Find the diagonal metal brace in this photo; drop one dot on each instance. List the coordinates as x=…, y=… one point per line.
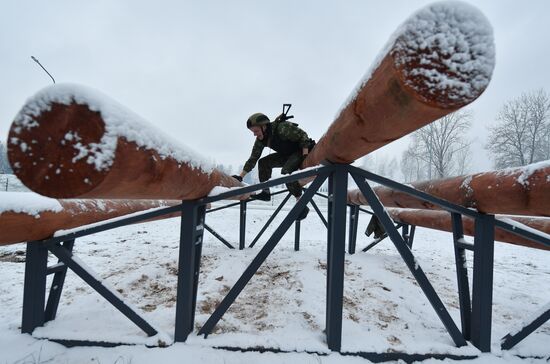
x=88, y=276
x=410, y=260
x=262, y=256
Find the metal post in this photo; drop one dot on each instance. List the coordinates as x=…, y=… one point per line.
x=462, y=276
x=405, y=233
x=297, y=235
x=482, y=291
x=335, y=258
x=192, y=228
x=57, y=287
x=34, y=292
x=411, y=236
x=242, y=225
x=353, y=223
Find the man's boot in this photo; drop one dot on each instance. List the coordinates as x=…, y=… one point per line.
x=375, y=227
x=265, y=195
x=303, y=214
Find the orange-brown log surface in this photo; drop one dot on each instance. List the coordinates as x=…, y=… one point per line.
x=20, y=226
x=441, y=220
x=516, y=191
x=417, y=81
x=72, y=142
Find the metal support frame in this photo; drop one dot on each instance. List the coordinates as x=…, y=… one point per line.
x=270, y=220
x=191, y=235
x=218, y=236
x=353, y=224
x=261, y=256
x=297, y=228
x=482, y=286
x=462, y=276
x=511, y=339
x=476, y=320
x=336, y=246
x=242, y=225
x=57, y=285
x=410, y=260
x=34, y=294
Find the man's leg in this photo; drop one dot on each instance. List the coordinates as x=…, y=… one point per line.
x=265, y=167
x=292, y=164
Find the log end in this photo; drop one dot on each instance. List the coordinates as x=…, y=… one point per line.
x=445, y=54
x=52, y=146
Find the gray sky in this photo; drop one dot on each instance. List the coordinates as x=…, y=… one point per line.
x=197, y=70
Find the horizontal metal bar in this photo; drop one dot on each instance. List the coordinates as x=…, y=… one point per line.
x=55, y=268
x=112, y=225
x=271, y=183
x=444, y=204
x=463, y=245
x=223, y=207
x=524, y=233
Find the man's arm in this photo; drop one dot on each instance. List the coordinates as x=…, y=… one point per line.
x=256, y=153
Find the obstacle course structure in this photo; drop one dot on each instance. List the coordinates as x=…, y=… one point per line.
x=71, y=142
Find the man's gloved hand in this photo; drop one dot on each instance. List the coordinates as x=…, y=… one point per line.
x=237, y=177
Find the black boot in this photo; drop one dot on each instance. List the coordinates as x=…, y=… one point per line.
x=265, y=195
x=303, y=214
x=375, y=227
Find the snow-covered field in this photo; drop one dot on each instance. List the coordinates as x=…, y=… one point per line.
x=283, y=307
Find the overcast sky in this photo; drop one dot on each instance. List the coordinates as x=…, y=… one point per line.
x=197, y=70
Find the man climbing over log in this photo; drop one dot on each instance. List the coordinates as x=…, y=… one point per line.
x=291, y=145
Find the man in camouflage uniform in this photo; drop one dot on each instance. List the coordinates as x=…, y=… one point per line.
x=291, y=145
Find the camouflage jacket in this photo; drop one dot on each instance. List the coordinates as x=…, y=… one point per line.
x=283, y=137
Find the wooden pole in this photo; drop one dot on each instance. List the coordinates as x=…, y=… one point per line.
x=515, y=191
x=20, y=226
x=441, y=220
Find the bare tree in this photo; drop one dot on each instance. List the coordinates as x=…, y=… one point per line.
x=522, y=133
x=439, y=149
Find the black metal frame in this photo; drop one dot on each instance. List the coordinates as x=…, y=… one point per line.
x=475, y=312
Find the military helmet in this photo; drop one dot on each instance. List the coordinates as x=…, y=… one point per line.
x=257, y=119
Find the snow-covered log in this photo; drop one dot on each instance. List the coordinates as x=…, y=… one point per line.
x=441, y=220
x=515, y=191
x=439, y=60
x=27, y=216
x=69, y=141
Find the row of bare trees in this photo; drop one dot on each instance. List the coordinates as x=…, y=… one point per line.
x=522, y=133
x=520, y=136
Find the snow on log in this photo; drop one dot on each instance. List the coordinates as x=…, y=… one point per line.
x=439, y=60
x=515, y=191
x=441, y=220
x=27, y=216
x=69, y=141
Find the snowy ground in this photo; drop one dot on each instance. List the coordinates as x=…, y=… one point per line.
x=282, y=308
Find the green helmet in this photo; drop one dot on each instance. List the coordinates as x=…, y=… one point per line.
x=257, y=119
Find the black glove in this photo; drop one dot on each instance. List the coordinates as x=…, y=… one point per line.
x=237, y=177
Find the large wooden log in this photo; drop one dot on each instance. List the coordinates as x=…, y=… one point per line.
x=34, y=217
x=441, y=220
x=515, y=191
x=439, y=60
x=69, y=141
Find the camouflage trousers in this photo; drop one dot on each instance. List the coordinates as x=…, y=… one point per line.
x=287, y=163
